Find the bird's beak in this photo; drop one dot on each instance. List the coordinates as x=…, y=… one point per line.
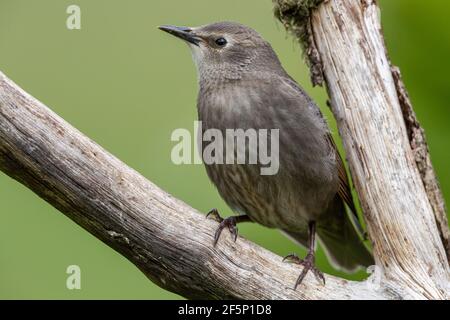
x=184, y=33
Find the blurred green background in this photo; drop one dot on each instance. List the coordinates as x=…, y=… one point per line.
x=127, y=85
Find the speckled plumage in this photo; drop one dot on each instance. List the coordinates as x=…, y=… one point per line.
x=243, y=86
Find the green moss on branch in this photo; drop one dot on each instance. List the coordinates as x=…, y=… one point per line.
x=295, y=17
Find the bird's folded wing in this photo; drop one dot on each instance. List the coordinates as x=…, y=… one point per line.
x=344, y=190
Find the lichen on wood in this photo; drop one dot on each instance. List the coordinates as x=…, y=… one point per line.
x=295, y=17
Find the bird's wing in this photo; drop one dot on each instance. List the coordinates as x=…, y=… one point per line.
x=344, y=185
x=344, y=190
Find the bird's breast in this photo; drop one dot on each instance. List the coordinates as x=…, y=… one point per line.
x=306, y=180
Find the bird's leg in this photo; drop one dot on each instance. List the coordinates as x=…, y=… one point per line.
x=230, y=223
x=308, y=262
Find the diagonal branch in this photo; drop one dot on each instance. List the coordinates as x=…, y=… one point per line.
x=170, y=242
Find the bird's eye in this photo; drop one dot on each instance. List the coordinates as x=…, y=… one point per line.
x=221, y=42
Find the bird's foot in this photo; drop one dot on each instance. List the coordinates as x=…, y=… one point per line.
x=308, y=264
x=230, y=223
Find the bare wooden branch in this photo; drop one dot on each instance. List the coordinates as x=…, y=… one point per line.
x=386, y=148
x=170, y=242
x=421, y=153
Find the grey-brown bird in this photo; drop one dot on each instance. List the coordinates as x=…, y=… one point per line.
x=242, y=85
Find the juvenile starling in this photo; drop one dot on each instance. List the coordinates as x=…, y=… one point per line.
x=243, y=86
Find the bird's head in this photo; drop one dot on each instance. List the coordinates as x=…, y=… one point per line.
x=226, y=48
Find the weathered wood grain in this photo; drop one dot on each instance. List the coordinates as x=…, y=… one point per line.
x=170, y=242
x=386, y=148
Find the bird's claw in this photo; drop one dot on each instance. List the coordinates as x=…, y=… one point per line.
x=229, y=223
x=308, y=265
x=293, y=258
x=215, y=215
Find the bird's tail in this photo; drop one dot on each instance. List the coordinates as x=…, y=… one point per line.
x=339, y=238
